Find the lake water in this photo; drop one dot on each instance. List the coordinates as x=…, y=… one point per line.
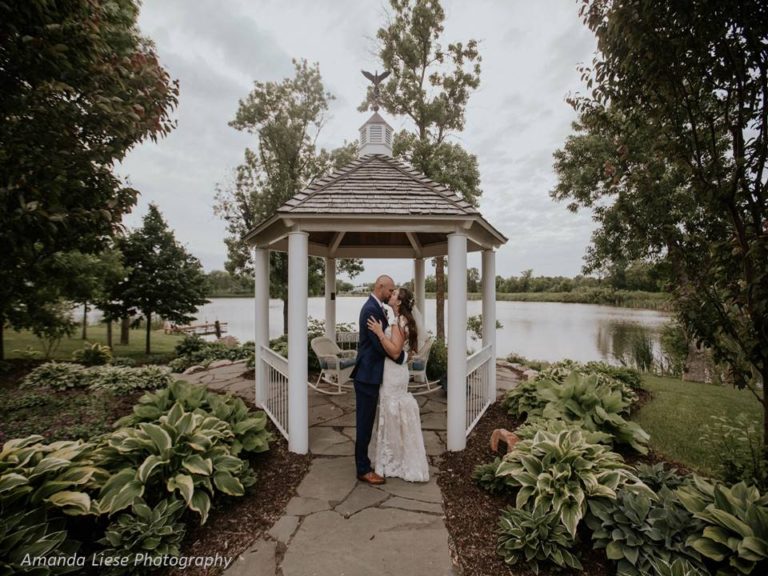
x=537, y=330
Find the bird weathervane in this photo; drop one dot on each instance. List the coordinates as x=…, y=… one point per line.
x=376, y=79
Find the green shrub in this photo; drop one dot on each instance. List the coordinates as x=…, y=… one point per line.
x=193, y=350
x=639, y=532
x=93, y=355
x=249, y=428
x=735, y=536
x=534, y=537
x=56, y=375
x=123, y=361
x=437, y=364
x=25, y=401
x=184, y=451
x=562, y=472
x=736, y=450
x=152, y=532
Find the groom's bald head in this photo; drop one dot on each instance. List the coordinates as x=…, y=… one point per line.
x=384, y=287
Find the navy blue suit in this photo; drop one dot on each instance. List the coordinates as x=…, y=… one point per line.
x=368, y=374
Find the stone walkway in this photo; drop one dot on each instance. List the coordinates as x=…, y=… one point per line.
x=337, y=526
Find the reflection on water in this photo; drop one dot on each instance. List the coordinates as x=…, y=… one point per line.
x=537, y=330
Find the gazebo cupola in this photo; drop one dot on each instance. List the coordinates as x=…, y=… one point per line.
x=375, y=137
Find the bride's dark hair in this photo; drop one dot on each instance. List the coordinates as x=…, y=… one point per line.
x=406, y=309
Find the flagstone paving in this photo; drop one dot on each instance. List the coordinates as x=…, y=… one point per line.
x=336, y=525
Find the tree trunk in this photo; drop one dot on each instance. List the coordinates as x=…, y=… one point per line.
x=125, y=330
x=440, y=297
x=85, y=320
x=109, y=333
x=149, y=331
x=765, y=416
x=285, y=315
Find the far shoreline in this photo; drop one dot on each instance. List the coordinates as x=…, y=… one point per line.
x=619, y=298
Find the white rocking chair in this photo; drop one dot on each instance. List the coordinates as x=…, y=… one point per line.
x=417, y=367
x=335, y=366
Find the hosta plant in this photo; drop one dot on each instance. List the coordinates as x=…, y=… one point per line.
x=153, y=532
x=249, y=428
x=93, y=355
x=121, y=379
x=621, y=380
x=59, y=475
x=56, y=375
x=658, y=476
x=735, y=535
x=30, y=533
x=525, y=399
x=582, y=400
x=536, y=423
x=485, y=476
x=184, y=452
x=638, y=532
x=39, y=485
x=679, y=567
x=534, y=538
x=561, y=472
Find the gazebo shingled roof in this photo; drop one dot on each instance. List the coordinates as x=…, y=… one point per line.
x=380, y=188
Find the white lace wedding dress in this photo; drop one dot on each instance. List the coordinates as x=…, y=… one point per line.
x=400, y=449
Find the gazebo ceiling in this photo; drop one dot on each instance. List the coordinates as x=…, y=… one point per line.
x=374, y=207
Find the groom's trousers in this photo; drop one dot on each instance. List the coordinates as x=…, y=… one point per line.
x=366, y=401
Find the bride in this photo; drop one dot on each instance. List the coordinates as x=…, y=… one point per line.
x=399, y=443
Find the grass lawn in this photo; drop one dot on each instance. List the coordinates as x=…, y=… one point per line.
x=16, y=342
x=679, y=411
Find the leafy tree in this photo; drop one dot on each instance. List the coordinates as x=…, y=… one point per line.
x=431, y=86
x=286, y=117
x=473, y=280
x=85, y=278
x=164, y=278
x=79, y=87
x=669, y=151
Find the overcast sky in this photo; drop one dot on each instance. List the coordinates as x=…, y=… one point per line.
x=514, y=121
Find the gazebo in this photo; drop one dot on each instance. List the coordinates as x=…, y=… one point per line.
x=375, y=207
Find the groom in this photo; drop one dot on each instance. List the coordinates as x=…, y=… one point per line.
x=368, y=373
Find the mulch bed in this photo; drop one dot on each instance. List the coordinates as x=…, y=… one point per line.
x=472, y=514
x=236, y=523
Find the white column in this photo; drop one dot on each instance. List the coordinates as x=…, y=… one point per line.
x=330, y=298
x=261, y=332
x=418, y=286
x=298, y=410
x=489, y=315
x=457, y=341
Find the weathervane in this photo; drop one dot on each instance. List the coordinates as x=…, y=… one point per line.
x=376, y=79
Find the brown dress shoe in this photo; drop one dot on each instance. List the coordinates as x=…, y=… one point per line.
x=371, y=478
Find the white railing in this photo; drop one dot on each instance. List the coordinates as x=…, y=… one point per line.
x=478, y=390
x=276, y=405
x=347, y=340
